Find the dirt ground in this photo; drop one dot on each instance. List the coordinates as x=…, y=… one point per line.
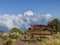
x=18, y=42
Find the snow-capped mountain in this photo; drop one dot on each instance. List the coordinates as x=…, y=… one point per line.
x=22, y=21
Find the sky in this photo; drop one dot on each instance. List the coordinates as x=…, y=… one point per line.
x=39, y=7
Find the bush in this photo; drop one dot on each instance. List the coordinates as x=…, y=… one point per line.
x=9, y=42
x=5, y=37
x=16, y=36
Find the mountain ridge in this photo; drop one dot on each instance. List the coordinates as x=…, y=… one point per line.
x=23, y=21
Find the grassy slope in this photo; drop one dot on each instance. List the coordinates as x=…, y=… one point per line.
x=49, y=40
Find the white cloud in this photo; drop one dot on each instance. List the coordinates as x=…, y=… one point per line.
x=48, y=15
x=20, y=15
x=29, y=13
x=20, y=20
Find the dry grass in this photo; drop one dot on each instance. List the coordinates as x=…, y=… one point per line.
x=49, y=40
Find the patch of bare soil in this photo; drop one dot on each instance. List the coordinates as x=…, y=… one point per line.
x=19, y=42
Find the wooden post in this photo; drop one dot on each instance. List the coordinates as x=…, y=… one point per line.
x=51, y=32
x=31, y=36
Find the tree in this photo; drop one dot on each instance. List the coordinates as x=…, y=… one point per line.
x=16, y=33
x=55, y=24
x=15, y=30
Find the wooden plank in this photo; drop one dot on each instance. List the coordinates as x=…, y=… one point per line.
x=40, y=33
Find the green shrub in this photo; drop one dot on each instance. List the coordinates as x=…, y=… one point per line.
x=16, y=36
x=9, y=42
x=5, y=37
